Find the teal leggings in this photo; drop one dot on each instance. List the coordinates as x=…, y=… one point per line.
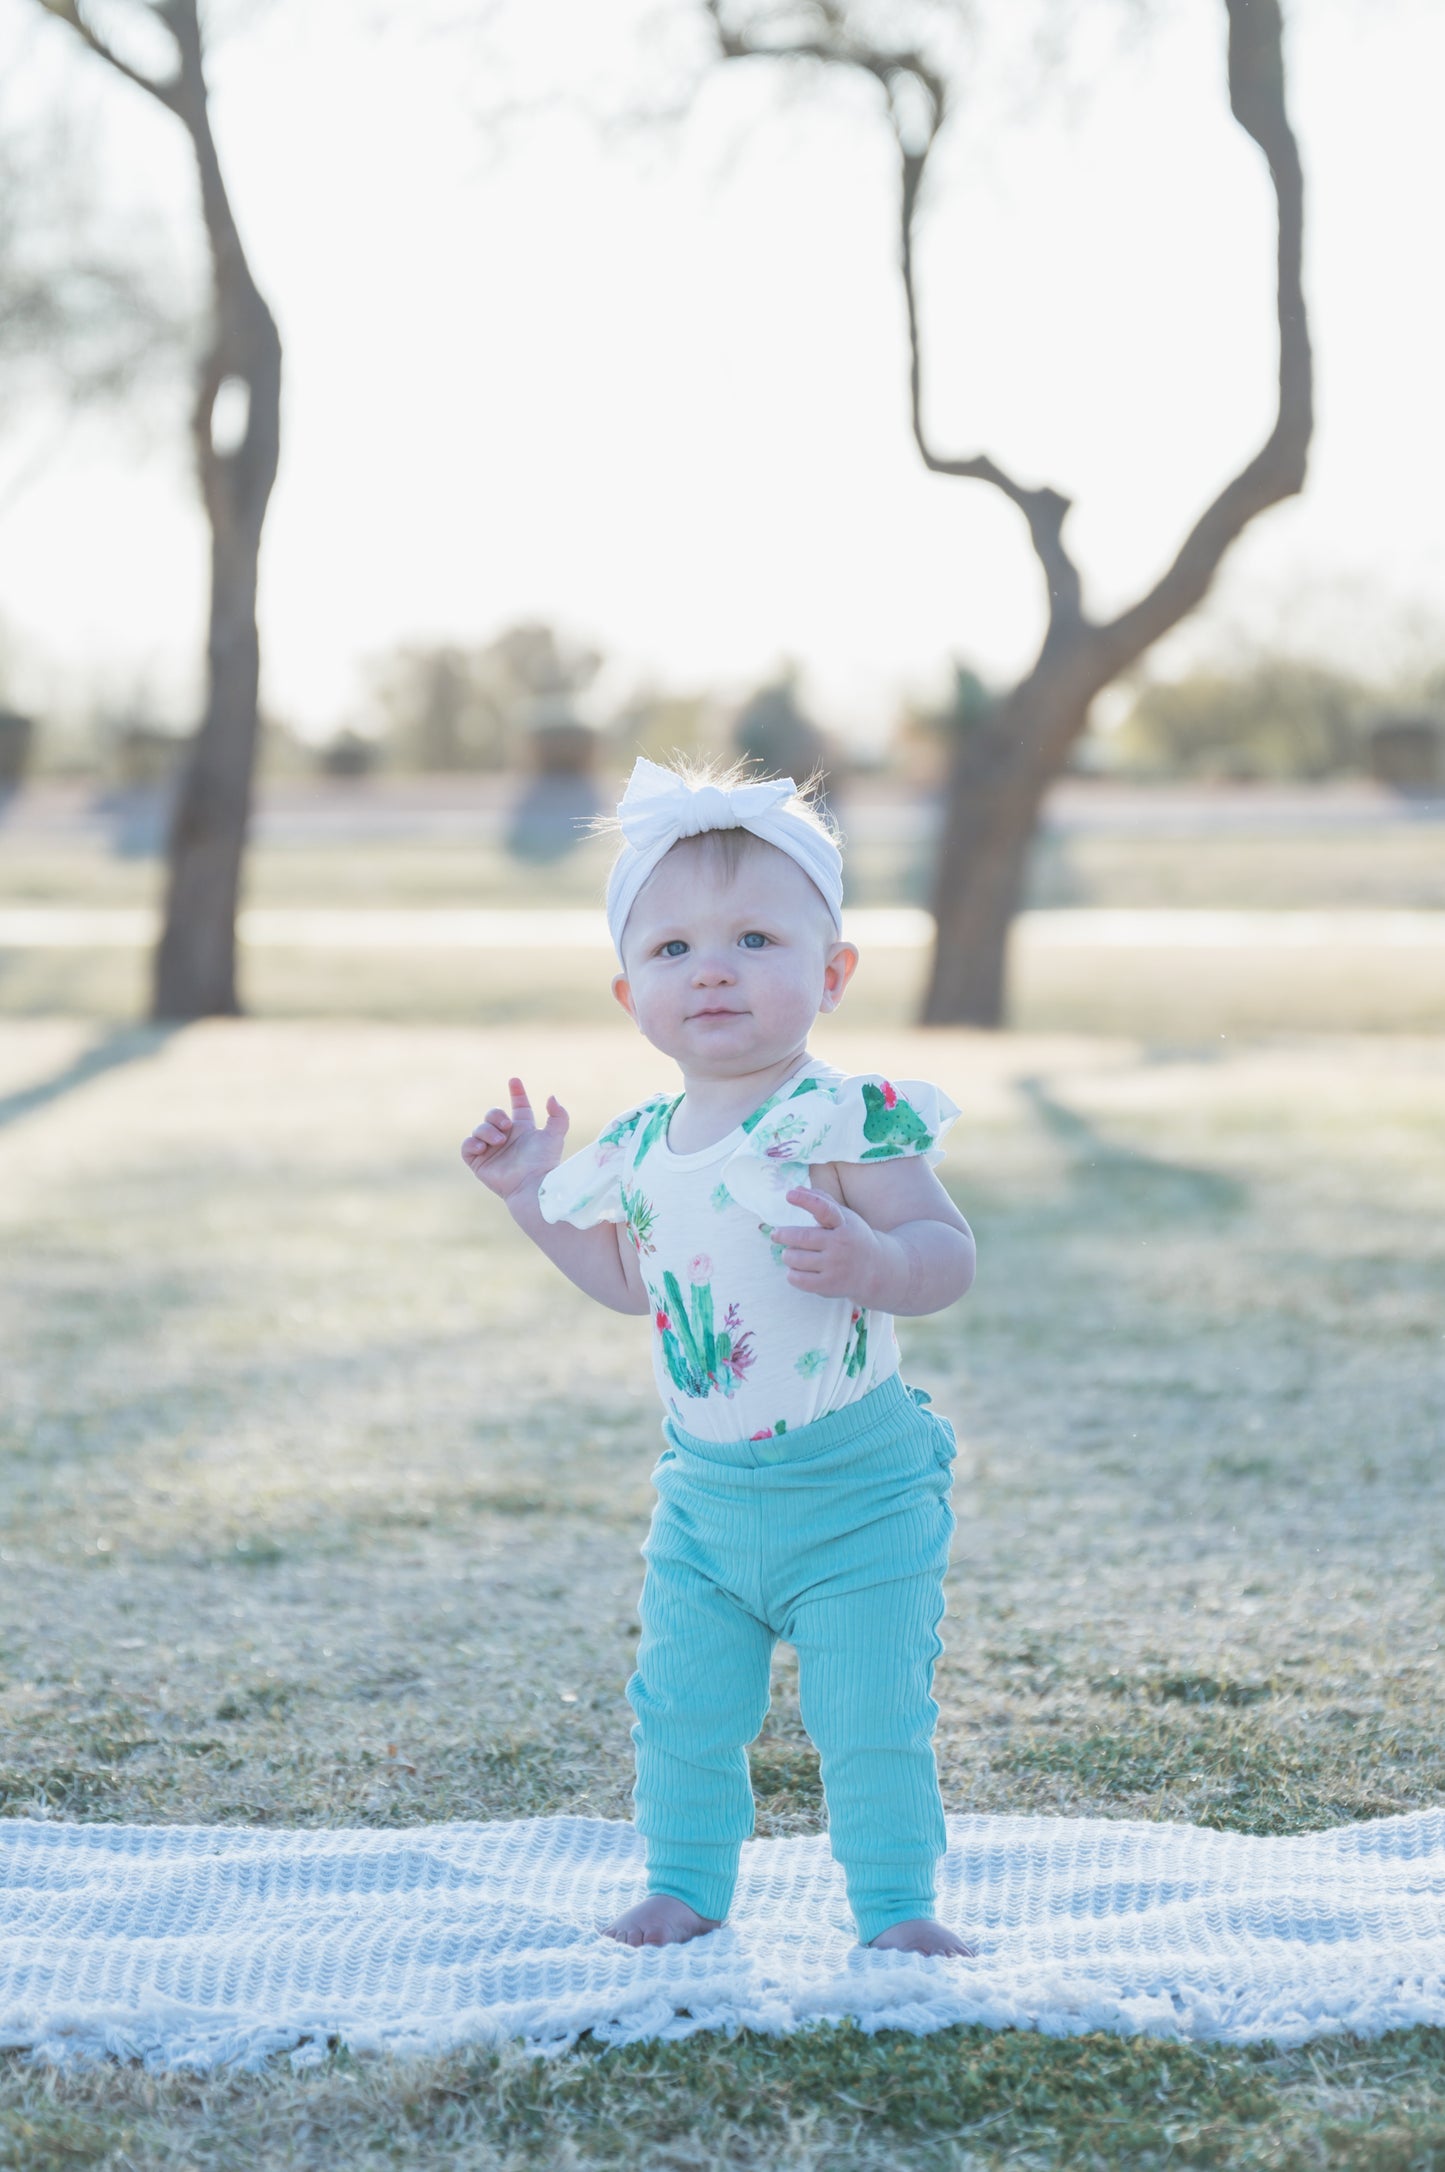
x=834, y=1538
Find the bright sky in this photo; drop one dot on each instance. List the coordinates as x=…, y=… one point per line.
x=657, y=394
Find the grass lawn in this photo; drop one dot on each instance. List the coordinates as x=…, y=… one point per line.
x=1155, y=994
x=1160, y=994
x=321, y=1495
x=1369, y=863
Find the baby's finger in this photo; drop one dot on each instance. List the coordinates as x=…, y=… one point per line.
x=521, y=1106
x=804, y=1236
x=823, y=1208
x=493, y=1126
x=803, y=1263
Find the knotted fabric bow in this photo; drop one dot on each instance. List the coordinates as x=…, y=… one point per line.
x=659, y=807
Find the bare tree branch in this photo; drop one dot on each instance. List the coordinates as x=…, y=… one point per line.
x=81, y=323
x=1256, y=93
x=1277, y=471
x=837, y=46
x=68, y=11
x=895, y=68
x=1044, y=509
x=1003, y=764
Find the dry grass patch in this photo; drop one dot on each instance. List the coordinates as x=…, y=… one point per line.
x=1157, y=994
x=1160, y=995
x=320, y=1500
x=826, y=2098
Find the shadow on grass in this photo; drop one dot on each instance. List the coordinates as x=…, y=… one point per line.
x=1125, y=1174
x=128, y=1044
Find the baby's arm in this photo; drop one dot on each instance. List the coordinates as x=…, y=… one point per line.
x=884, y=1233
x=510, y=1155
x=596, y=1259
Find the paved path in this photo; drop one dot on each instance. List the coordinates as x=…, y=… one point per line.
x=63, y=927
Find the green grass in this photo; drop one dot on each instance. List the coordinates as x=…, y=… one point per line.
x=820, y=2099
x=320, y=1500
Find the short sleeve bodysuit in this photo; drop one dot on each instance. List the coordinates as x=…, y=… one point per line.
x=738, y=1352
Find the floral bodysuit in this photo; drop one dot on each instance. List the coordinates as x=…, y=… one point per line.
x=738, y=1352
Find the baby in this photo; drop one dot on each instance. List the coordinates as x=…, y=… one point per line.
x=771, y=1218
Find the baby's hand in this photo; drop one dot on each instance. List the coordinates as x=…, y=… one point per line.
x=508, y=1152
x=836, y=1255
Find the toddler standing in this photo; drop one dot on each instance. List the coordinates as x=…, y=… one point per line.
x=771, y=1218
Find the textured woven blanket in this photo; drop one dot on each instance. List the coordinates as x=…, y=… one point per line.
x=210, y=1945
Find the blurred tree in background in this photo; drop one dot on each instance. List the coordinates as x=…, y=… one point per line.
x=925, y=733
x=1003, y=763
x=159, y=46
x=659, y=724
x=1284, y=720
x=443, y=706
x=772, y=730
x=88, y=316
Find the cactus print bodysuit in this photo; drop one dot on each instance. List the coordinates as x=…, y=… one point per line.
x=738, y=1352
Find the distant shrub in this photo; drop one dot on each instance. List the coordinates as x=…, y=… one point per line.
x=660, y=724
x=1283, y=720
x=924, y=733
x=444, y=707
x=349, y=754
x=1408, y=753
x=772, y=731
x=17, y=740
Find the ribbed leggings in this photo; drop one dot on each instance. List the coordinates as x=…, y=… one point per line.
x=835, y=1538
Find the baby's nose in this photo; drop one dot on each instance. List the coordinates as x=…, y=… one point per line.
x=709, y=970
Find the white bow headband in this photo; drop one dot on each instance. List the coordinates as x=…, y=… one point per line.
x=659, y=807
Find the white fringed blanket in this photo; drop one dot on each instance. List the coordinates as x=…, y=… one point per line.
x=210, y=1945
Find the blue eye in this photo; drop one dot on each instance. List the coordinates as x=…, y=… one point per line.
x=754, y=940
x=674, y=948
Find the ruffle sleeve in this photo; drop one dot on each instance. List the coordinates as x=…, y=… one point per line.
x=863, y=1118
x=587, y=1187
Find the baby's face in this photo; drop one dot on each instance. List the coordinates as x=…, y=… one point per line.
x=726, y=974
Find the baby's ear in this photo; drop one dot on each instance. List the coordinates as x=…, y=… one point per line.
x=622, y=989
x=842, y=963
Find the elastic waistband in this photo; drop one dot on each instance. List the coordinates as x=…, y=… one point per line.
x=881, y=1410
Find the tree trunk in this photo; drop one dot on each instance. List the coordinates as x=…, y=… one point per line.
x=1000, y=771
x=195, y=967
x=195, y=964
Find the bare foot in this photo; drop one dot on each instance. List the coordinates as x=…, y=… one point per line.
x=920, y=1934
x=662, y=1921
